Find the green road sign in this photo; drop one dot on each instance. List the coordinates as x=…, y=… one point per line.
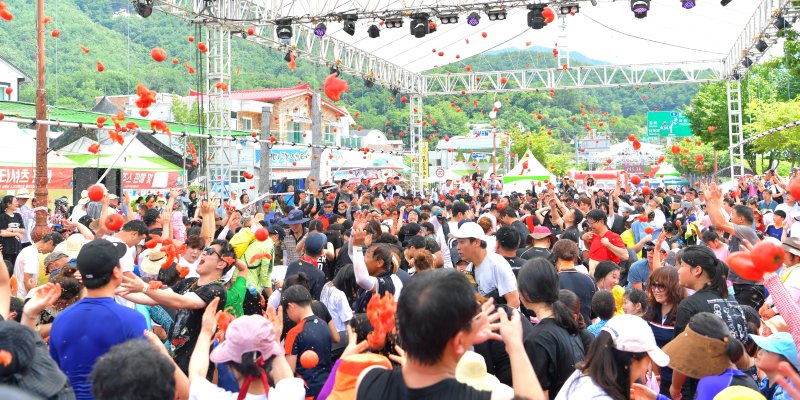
x=668, y=123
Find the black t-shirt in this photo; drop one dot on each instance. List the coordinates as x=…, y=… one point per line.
x=183, y=335
x=708, y=301
x=583, y=286
x=495, y=354
x=317, y=307
x=516, y=263
x=389, y=385
x=315, y=276
x=556, y=353
x=11, y=245
x=533, y=252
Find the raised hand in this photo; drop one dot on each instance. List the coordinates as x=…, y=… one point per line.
x=209, y=324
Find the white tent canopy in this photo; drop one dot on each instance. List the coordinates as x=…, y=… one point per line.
x=527, y=170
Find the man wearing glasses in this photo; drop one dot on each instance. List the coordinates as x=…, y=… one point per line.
x=639, y=272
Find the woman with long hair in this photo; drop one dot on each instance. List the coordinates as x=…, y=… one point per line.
x=618, y=357
x=555, y=339
x=12, y=230
x=664, y=294
x=700, y=270
x=374, y=269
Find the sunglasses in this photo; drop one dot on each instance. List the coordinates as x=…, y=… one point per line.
x=211, y=251
x=658, y=286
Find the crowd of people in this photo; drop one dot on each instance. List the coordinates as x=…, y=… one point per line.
x=565, y=291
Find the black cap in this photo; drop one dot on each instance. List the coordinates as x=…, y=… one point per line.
x=98, y=258
x=275, y=230
x=297, y=294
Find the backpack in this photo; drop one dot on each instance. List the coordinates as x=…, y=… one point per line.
x=241, y=240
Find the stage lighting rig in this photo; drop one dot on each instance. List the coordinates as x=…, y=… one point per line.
x=320, y=29
x=143, y=7
x=449, y=19
x=688, y=4
x=535, y=17
x=640, y=8
x=373, y=31
x=762, y=45
x=393, y=22
x=473, y=19
x=570, y=9
x=420, y=25
x=496, y=15
x=349, y=24
x=283, y=28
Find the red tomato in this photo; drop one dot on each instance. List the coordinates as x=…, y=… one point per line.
x=794, y=188
x=309, y=359
x=96, y=192
x=649, y=230
x=742, y=264
x=646, y=191
x=261, y=234
x=114, y=222
x=636, y=180
x=642, y=217
x=767, y=256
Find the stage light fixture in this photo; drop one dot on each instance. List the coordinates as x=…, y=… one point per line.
x=369, y=82
x=395, y=91
x=736, y=75
x=781, y=23
x=640, y=8
x=535, y=17
x=288, y=56
x=320, y=29
x=393, y=22
x=144, y=8
x=373, y=31
x=496, y=15
x=762, y=45
x=570, y=9
x=725, y=2
x=449, y=19
x=283, y=28
x=473, y=19
x=688, y=4
x=747, y=62
x=349, y=24
x=420, y=25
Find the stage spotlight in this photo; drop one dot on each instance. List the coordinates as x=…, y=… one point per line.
x=736, y=75
x=535, y=17
x=570, y=9
x=747, y=62
x=144, y=8
x=369, y=82
x=393, y=22
x=420, y=25
x=288, y=56
x=496, y=15
x=687, y=4
x=335, y=70
x=640, y=8
x=283, y=28
x=725, y=2
x=449, y=19
x=395, y=91
x=473, y=19
x=373, y=31
x=762, y=45
x=781, y=23
x=320, y=29
x=349, y=24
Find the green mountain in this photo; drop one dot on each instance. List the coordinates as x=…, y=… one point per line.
x=121, y=40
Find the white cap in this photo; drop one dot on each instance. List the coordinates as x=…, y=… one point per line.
x=632, y=334
x=468, y=230
x=632, y=217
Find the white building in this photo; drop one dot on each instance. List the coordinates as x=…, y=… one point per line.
x=11, y=77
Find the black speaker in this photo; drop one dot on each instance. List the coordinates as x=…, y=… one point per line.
x=82, y=178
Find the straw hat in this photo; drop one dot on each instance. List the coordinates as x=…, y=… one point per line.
x=471, y=370
x=152, y=263
x=72, y=246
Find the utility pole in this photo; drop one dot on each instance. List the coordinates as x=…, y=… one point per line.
x=40, y=176
x=316, y=136
x=265, y=167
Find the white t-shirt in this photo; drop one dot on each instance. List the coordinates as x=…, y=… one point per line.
x=494, y=273
x=127, y=261
x=192, y=267
x=286, y=389
x=27, y=263
x=338, y=306
x=580, y=386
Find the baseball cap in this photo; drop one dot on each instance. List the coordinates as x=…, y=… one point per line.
x=246, y=334
x=632, y=217
x=737, y=392
x=274, y=230
x=779, y=343
x=632, y=334
x=98, y=258
x=468, y=230
x=315, y=242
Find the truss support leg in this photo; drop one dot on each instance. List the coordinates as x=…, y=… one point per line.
x=419, y=154
x=735, y=135
x=563, y=47
x=218, y=67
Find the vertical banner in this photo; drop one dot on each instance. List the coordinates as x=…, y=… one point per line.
x=423, y=151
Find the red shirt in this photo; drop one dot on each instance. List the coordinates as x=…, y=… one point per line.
x=598, y=252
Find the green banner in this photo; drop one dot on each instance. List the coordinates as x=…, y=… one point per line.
x=668, y=123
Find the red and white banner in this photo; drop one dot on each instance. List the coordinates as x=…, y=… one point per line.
x=13, y=178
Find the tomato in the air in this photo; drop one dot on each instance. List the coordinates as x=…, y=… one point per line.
x=767, y=256
x=742, y=265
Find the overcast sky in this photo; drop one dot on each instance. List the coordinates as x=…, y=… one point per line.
x=705, y=32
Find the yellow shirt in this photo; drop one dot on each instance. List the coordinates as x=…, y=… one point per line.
x=618, y=291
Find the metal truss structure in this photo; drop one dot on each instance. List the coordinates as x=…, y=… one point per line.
x=582, y=77
x=218, y=65
x=235, y=17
